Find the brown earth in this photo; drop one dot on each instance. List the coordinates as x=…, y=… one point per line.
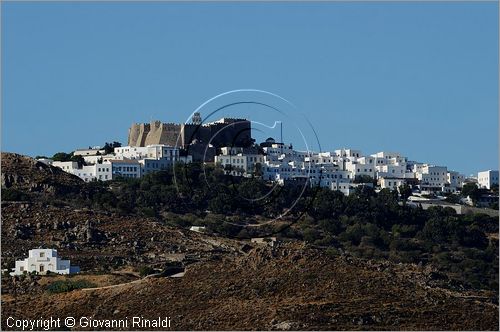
x=287, y=288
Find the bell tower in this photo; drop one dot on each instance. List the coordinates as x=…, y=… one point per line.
x=196, y=118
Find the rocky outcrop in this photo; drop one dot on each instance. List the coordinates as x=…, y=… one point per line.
x=27, y=174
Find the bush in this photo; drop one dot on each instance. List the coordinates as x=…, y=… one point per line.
x=146, y=270
x=11, y=194
x=331, y=226
x=62, y=286
x=62, y=156
x=311, y=235
x=332, y=252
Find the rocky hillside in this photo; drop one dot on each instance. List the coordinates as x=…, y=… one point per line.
x=100, y=241
x=288, y=288
x=25, y=173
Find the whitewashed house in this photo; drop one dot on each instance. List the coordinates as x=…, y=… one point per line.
x=487, y=178
x=67, y=166
x=46, y=161
x=235, y=161
x=455, y=179
x=432, y=178
x=127, y=168
x=391, y=183
x=42, y=261
x=154, y=151
x=96, y=150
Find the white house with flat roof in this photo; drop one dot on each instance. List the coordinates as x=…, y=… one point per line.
x=67, y=166
x=455, y=179
x=87, y=173
x=432, y=178
x=154, y=151
x=96, y=150
x=126, y=168
x=42, y=261
x=235, y=162
x=486, y=179
x=392, y=183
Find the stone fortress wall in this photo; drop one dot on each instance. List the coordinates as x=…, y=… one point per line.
x=225, y=132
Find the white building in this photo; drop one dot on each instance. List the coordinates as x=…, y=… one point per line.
x=43, y=261
x=486, y=179
x=46, y=161
x=390, y=183
x=455, y=179
x=154, y=165
x=127, y=161
x=97, y=159
x=155, y=151
x=361, y=166
x=344, y=186
x=126, y=168
x=96, y=150
x=88, y=172
x=235, y=162
x=432, y=178
x=95, y=172
x=198, y=229
x=67, y=166
x=348, y=153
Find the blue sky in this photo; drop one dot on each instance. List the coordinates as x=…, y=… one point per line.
x=419, y=78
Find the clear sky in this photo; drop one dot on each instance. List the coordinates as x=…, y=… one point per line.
x=419, y=78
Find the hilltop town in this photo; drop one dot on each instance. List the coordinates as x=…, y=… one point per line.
x=228, y=144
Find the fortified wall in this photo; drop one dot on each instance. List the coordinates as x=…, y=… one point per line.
x=224, y=132
x=156, y=132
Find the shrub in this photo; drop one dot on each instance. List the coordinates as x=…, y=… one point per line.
x=62, y=286
x=332, y=252
x=331, y=226
x=146, y=270
x=11, y=194
x=311, y=235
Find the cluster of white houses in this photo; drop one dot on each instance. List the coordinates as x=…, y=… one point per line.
x=341, y=170
x=345, y=169
x=128, y=161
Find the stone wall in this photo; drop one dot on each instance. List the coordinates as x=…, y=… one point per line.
x=233, y=132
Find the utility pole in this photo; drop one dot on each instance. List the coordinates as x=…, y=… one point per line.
x=281, y=133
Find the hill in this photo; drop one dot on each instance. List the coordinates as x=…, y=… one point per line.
x=24, y=173
x=291, y=287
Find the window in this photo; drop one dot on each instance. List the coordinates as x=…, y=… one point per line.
x=42, y=255
x=21, y=268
